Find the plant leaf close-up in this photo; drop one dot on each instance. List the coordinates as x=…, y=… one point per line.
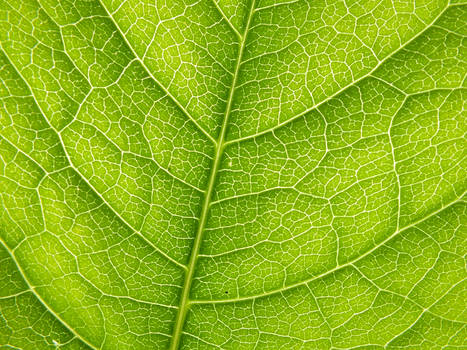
x=233, y=174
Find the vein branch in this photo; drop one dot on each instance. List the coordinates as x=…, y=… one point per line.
x=235, y=30
x=39, y=298
x=166, y=91
x=337, y=267
x=76, y=170
x=368, y=74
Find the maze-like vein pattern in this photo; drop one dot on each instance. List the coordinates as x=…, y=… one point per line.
x=337, y=215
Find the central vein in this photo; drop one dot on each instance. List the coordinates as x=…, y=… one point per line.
x=185, y=300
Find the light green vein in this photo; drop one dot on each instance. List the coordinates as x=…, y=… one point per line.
x=338, y=267
x=167, y=92
x=31, y=288
x=237, y=33
x=72, y=166
x=341, y=90
x=184, y=300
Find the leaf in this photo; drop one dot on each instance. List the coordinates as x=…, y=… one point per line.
x=233, y=174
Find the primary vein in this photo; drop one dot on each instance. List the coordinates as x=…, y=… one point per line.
x=184, y=300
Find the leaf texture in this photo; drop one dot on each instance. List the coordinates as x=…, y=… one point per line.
x=233, y=174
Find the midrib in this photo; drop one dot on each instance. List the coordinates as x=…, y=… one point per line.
x=220, y=144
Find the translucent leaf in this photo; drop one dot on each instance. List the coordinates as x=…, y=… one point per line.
x=220, y=174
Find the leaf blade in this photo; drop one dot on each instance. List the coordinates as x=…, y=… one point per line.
x=331, y=185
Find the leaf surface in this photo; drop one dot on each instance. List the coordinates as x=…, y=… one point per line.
x=220, y=174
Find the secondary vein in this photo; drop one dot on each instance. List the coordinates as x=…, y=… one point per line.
x=185, y=300
x=148, y=71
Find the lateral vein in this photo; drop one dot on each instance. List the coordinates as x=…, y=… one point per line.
x=337, y=267
x=166, y=91
x=75, y=169
x=370, y=73
x=42, y=301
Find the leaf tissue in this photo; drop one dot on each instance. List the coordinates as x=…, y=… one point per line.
x=233, y=174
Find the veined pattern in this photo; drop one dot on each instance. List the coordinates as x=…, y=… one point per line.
x=219, y=174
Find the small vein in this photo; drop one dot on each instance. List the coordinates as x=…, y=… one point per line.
x=396, y=173
x=24, y=154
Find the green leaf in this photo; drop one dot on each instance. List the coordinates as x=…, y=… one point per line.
x=220, y=174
